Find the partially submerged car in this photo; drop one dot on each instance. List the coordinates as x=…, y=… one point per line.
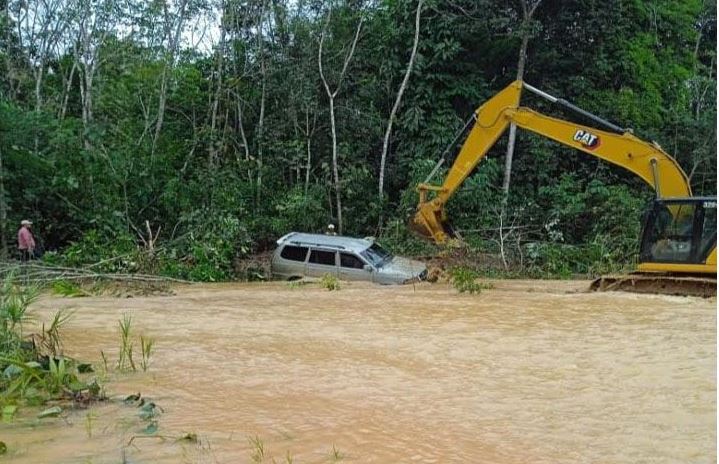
x=301, y=255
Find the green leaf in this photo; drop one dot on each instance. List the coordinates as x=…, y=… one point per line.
x=8, y=412
x=50, y=412
x=77, y=386
x=11, y=371
x=84, y=368
x=132, y=398
x=148, y=411
x=151, y=428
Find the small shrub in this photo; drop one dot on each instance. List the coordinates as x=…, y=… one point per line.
x=465, y=280
x=49, y=341
x=330, y=282
x=147, y=346
x=125, y=361
x=336, y=455
x=67, y=288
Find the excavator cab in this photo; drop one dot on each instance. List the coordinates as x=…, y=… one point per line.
x=679, y=232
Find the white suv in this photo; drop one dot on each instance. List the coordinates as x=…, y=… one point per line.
x=311, y=255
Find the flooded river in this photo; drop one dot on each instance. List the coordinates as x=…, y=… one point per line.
x=527, y=372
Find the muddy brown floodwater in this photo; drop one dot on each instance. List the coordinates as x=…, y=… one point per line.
x=527, y=372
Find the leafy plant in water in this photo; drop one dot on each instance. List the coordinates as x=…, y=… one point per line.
x=14, y=301
x=8, y=412
x=36, y=371
x=49, y=340
x=104, y=364
x=258, y=449
x=90, y=418
x=58, y=375
x=50, y=412
x=125, y=361
x=146, y=345
x=336, y=455
x=465, y=280
x=67, y=288
x=330, y=282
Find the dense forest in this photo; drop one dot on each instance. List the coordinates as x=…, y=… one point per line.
x=177, y=136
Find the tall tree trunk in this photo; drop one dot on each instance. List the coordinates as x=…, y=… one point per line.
x=308, y=166
x=335, y=166
x=3, y=211
x=331, y=96
x=212, y=151
x=166, y=70
x=38, y=104
x=66, y=90
x=261, y=122
x=398, y=100
x=260, y=138
x=243, y=135
x=528, y=9
x=86, y=97
x=38, y=86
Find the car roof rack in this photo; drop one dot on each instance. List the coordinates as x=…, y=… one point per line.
x=319, y=245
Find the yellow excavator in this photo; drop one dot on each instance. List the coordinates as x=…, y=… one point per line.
x=678, y=242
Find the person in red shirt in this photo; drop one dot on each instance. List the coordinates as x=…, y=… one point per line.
x=25, y=240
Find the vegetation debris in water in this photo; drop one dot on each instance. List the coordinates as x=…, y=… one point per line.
x=36, y=372
x=50, y=412
x=330, y=282
x=465, y=280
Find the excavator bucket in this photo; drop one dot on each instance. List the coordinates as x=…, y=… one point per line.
x=431, y=225
x=665, y=284
x=419, y=229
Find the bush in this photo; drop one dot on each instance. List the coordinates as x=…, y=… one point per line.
x=330, y=282
x=35, y=372
x=205, y=253
x=465, y=280
x=115, y=253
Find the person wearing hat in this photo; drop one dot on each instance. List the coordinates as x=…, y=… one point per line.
x=330, y=230
x=25, y=240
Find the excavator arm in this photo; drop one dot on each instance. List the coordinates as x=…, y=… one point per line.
x=615, y=145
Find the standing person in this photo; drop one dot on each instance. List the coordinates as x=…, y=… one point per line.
x=25, y=241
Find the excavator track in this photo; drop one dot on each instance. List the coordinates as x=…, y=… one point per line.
x=663, y=284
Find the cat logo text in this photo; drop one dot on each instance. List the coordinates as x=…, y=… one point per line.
x=587, y=139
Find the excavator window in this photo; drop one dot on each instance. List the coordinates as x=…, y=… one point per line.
x=679, y=231
x=709, y=231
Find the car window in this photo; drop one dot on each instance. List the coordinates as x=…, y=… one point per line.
x=294, y=253
x=377, y=255
x=348, y=260
x=322, y=257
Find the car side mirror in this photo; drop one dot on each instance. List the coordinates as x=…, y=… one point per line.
x=368, y=268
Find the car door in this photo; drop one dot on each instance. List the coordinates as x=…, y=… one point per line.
x=352, y=267
x=321, y=262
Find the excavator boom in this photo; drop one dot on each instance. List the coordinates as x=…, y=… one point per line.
x=611, y=143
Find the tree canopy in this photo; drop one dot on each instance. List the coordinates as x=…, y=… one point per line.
x=209, y=124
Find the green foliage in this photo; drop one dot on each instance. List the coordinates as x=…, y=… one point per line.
x=243, y=153
x=67, y=288
x=14, y=301
x=465, y=280
x=33, y=373
x=330, y=282
x=147, y=346
x=125, y=361
x=49, y=340
x=106, y=253
x=207, y=251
